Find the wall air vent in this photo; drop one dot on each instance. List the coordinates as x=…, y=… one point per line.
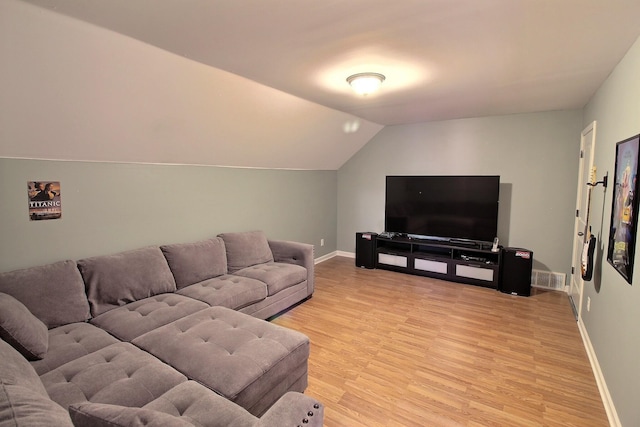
x=548, y=280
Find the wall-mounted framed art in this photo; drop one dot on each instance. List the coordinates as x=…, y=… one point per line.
x=44, y=200
x=624, y=209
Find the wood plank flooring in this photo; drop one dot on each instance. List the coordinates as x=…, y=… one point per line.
x=391, y=349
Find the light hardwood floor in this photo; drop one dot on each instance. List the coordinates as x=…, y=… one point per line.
x=391, y=349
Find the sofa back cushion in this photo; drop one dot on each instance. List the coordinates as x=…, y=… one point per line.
x=89, y=414
x=16, y=370
x=194, y=262
x=53, y=293
x=24, y=331
x=245, y=249
x=115, y=280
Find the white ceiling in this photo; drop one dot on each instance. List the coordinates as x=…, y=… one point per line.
x=443, y=59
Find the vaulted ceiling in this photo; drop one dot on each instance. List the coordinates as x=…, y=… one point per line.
x=262, y=83
x=442, y=58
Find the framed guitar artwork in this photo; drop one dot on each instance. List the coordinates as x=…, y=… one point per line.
x=624, y=209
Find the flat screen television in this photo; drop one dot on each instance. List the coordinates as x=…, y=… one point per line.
x=444, y=207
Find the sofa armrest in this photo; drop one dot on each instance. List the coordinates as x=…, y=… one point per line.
x=295, y=253
x=291, y=410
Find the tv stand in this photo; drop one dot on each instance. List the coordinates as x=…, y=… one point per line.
x=455, y=260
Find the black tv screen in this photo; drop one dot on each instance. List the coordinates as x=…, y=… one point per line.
x=449, y=207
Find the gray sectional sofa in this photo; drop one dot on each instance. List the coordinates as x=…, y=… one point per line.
x=160, y=336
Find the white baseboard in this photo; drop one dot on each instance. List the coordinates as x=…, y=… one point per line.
x=334, y=254
x=325, y=257
x=346, y=254
x=609, y=407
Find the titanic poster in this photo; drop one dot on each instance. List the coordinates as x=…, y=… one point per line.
x=44, y=200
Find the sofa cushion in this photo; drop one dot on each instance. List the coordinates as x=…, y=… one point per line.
x=229, y=291
x=201, y=406
x=115, y=280
x=70, y=342
x=53, y=293
x=136, y=318
x=245, y=249
x=21, y=329
x=194, y=262
x=23, y=398
x=191, y=404
x=120, y=374
x=276, y=275
x=295, y=253
x=104, y=415
x=20, y=406
x=271, y=306
x=16, y=370
x=234, y=354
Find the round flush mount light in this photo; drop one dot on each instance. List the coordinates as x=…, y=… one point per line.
x=365, y=83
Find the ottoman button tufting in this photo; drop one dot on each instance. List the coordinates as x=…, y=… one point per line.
x=310, y=413
x=305, y=421
x=315, y=405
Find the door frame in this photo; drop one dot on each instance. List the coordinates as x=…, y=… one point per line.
x=576, y=285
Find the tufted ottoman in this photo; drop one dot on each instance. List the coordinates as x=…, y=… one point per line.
x=247, y=360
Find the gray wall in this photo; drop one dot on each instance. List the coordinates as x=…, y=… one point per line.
x=613, y=322
x=536, y=156
x=110, y=207
x=74, y=91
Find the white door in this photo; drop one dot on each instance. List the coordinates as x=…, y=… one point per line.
x=587, y=145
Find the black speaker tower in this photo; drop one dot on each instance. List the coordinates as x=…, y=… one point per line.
x=366, y=250
x=515, y=272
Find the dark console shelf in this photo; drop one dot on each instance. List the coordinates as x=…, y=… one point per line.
x=458, y=261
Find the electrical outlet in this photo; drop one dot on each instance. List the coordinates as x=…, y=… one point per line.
x=321, y=242
x=588, y=304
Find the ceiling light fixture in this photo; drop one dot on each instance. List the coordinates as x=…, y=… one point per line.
x=365, y=83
